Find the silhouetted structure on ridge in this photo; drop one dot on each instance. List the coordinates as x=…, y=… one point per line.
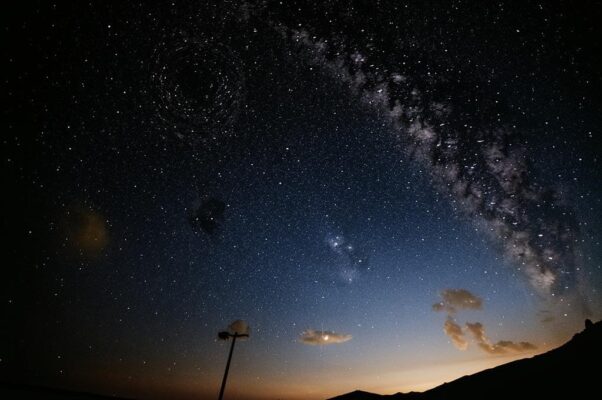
x=570, y=371
x=567, y=372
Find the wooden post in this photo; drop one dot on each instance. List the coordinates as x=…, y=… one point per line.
x=221, y=391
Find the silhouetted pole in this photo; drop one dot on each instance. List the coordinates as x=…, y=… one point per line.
x=239, y=329
x=221, y=391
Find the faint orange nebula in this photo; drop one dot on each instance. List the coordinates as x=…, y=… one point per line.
x=92, y=235
x=86, y=231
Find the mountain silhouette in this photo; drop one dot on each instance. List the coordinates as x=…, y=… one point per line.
x=571, y=371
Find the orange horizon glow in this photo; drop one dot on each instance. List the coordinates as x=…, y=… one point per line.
x=161, y=384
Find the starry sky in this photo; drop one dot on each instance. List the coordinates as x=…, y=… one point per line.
x=392, y=194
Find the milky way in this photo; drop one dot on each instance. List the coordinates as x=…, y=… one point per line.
x=484, y=168
x=371, y=186
x=480, y=162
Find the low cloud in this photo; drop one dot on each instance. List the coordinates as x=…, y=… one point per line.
x=239, y=327
x=321, y=338
x=455, y=333
x=502, y=347
x=453, y=300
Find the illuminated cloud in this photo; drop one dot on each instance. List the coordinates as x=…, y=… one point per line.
x=453, y=300
x=455, y=333
x=239, y=327
x=320, y=338
x=502, y=347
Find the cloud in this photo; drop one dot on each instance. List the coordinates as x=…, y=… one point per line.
x=502, y=347
x=239, y=327
x=455, y=333
x=320, y=338
x=453, y=300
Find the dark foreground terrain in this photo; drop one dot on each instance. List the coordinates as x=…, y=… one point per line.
x=22, y=392
x=571, y=371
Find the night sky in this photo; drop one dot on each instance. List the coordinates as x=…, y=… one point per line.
x=391, y=194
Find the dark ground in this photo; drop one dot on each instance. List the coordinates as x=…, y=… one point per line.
x=565, y=372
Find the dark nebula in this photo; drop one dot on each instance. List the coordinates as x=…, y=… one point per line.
x=208, y=216
x=320, y=170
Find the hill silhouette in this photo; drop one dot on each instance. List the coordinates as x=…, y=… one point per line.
x=569, y=371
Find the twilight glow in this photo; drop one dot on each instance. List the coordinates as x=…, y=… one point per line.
x=392, y=195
